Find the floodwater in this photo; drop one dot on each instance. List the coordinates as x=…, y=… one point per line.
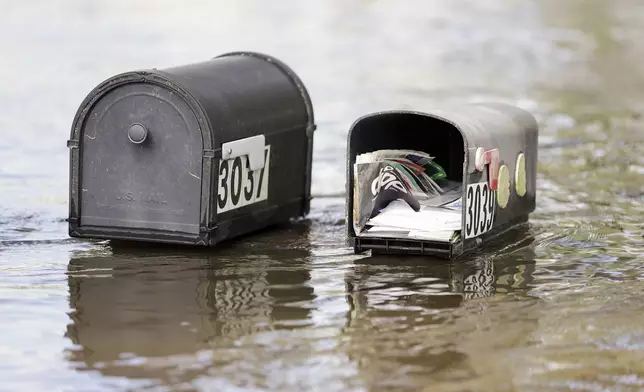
x=556, y=306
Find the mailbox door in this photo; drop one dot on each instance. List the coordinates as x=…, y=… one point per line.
x=141, y=161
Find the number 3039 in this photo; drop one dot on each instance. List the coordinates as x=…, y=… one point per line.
x=480, y=206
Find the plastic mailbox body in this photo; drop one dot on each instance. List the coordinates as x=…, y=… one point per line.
x=195, y=154
x=490, y=147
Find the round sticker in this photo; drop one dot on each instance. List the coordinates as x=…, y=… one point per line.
x=519, y=176
x=503, y=192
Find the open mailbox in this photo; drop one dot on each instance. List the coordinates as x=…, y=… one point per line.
x=194, y=154
x=482, y=159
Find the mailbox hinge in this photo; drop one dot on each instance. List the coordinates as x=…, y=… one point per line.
x=208, y=229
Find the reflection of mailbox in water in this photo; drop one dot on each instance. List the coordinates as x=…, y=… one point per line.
x=489, y=151
x=194, y=154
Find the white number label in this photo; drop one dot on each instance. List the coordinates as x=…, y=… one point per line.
x=238, y=185
x=480, y=207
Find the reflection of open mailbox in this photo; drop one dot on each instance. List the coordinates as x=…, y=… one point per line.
x=195, y=154
x=488, y=156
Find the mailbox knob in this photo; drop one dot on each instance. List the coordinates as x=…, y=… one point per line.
x=137, y=133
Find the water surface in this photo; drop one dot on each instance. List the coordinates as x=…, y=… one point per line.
x=556, y=306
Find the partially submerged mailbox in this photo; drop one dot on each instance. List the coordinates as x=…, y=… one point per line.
x=195, y=154
x=441, y=182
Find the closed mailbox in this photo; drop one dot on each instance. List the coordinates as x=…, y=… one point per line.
x=194, y=154
x=487, y=153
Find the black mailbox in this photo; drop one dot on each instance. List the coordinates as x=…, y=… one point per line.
x=489, y=149
x=194, y=154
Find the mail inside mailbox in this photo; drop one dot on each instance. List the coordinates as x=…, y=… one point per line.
x=412, y=188
x=442, y=182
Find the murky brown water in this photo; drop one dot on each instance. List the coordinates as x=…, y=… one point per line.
x=556, y=307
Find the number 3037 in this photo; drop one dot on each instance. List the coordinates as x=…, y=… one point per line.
x=238, y=185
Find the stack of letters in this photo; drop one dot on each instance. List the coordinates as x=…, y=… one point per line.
x=405, y=194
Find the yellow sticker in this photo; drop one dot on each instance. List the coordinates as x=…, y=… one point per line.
x=520, y=176
x=503, y=192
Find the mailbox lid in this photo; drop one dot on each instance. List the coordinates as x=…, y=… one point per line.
x=245, y=94
x=139, y=145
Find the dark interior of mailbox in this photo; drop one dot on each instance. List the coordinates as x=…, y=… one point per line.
x=411, y=131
